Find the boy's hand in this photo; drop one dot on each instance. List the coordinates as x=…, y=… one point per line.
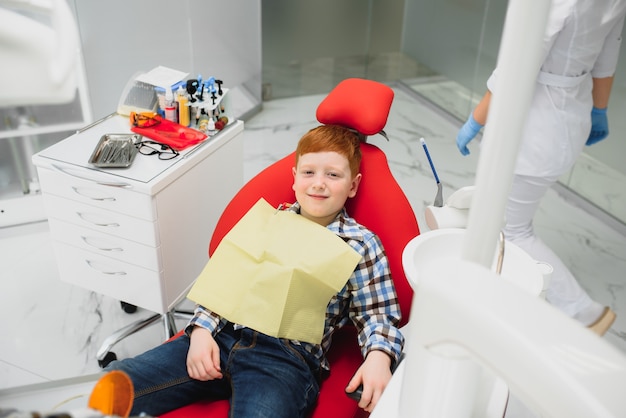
x=374, y=374
x=203, y=357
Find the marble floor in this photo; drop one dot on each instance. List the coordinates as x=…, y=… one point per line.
x=52, y=330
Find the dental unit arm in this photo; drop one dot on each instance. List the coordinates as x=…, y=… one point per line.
x=465, y=315
x=39, y=46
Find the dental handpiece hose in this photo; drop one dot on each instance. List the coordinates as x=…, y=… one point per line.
x=439, y=197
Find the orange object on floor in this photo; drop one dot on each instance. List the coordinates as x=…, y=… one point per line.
x=113, y=394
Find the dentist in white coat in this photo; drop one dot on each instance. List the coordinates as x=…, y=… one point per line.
x=581, y=49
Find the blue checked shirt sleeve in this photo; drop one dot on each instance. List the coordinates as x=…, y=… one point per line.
x=206, y=319
x=374, y=308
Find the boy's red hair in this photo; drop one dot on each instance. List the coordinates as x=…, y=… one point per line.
x=332, y=138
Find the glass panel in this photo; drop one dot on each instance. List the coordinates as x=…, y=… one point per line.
x=459, y=41
x=309, y=47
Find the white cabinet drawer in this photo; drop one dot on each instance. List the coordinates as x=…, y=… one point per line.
x=102, y=220
x=114, y=195
x=138, y=234
x=119, y=280
x=105, y=245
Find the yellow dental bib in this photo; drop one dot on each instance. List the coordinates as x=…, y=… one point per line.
x=275, y=272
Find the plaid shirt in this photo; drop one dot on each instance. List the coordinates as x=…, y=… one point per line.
x=368, y=299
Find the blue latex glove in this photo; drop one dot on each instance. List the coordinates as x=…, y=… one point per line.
x=467, y=132
x=599, y=126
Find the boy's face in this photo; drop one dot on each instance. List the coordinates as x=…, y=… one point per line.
x=323, y=182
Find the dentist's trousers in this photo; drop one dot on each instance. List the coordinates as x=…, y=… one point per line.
x=563, y=292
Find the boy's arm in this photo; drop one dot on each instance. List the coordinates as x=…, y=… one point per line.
x=203, y=357
x=376, y=313
x=374, y=308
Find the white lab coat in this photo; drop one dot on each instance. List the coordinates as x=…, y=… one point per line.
x=582, y=41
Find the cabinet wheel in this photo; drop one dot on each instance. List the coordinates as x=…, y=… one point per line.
x=128, y=308
x=109, y=357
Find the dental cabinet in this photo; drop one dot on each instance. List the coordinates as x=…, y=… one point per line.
x=138, y=234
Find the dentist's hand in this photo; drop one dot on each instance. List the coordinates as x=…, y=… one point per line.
x=599, y=126
x=467, y=132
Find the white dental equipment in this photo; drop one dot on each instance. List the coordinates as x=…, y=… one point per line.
x=467, y=323
x=454, y=213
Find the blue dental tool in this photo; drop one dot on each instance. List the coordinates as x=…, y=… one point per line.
x=439, y=197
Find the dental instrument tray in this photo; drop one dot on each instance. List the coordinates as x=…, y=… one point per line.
x=115, y=151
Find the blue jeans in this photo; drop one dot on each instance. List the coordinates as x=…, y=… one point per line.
x=263, y=377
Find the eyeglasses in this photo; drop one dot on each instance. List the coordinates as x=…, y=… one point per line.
x=144, y=119
x=164, y=151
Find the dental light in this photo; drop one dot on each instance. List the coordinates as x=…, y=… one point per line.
x=38, y=50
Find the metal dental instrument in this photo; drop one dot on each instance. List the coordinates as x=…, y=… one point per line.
x=439, y=197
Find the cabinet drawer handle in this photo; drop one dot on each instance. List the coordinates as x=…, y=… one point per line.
x=86, y=239
x=100, y=199
x=85, y=218
x=100, y=182
x=112, y=273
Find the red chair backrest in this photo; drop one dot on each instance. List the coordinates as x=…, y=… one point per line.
x=380, y=205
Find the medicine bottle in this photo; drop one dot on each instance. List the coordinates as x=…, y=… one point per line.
x=170, y=105
x=183, y=107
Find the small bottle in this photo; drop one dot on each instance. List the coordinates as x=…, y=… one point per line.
x=211, y=128
x=183, y=107
x=170, y=105
x=203, y=122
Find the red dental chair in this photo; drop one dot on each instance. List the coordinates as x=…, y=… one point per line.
x=380, y=205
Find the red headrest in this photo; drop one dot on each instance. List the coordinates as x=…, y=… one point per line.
x=358, y=104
